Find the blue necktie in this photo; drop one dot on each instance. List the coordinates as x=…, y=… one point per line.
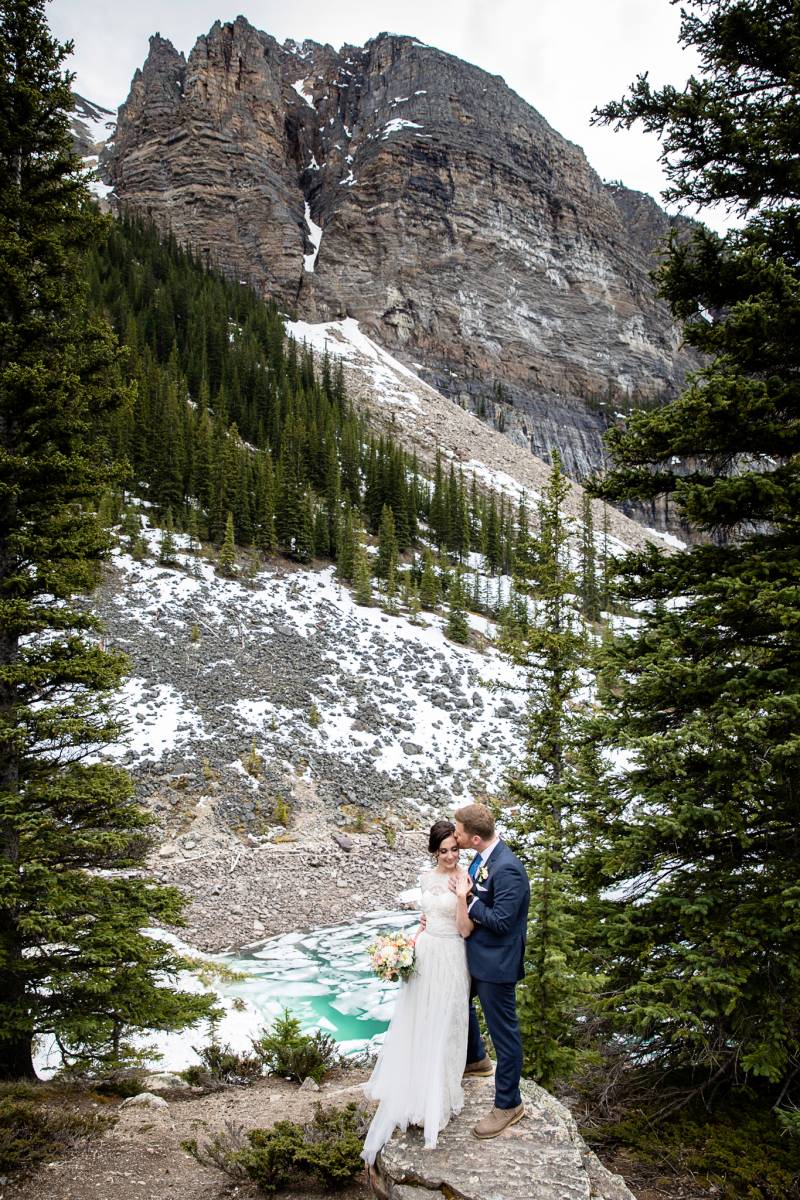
x=473, y=866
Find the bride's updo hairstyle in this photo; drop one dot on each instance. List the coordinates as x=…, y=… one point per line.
x=439, y=831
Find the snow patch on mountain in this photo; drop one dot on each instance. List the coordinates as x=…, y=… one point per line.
x=369, y=706
x=315, y=237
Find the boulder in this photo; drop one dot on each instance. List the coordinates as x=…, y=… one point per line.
x=145, y=1100
x=542, y=1157
x=164, y=1081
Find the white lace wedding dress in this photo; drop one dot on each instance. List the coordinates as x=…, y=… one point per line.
x=417, y=1078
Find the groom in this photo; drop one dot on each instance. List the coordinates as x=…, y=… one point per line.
x=495, y=955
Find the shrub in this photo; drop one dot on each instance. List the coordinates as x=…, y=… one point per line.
x=221, y=1065
x=284, y=1050
x=31, y=1130
x=119, y=1083
x=253, y=762
x=738, y=1148
x=326, y=1152
x=281, y=812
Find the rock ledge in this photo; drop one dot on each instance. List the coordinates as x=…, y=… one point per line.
x=542, y=1157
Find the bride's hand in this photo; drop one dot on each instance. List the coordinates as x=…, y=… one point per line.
x=463, y=884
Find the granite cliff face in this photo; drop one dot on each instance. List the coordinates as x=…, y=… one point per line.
x=395, y=184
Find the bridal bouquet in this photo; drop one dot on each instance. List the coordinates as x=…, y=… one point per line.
x=392, y=956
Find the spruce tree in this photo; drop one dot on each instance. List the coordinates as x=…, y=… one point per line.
x=390, y=604
x=429, y=591
x=493, y=541
x=457, y=627
x=702, y=838
x=589, y=590
x=265, y=507
x=387, y=544
x=226, y=564
x=345, y=565
x=74, y=963
x=362, y=577
x=549, y=644
x=167, y=549
x=413, y=603
x=193, y=531
x=303, y=547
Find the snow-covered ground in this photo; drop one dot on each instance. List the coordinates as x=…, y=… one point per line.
x=295, y=667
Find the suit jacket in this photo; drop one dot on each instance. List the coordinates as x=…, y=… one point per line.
x=496, y=946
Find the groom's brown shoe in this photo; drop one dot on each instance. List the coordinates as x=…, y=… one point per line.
x=479, y=1069
x=498, y=1120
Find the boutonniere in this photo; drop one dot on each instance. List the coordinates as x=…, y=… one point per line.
x=482, y=874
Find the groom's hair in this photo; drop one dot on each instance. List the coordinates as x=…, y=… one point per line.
x=477, y=820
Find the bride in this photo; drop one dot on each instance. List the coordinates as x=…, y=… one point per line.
x=417, y=1077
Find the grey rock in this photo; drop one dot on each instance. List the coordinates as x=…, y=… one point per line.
x=309, y=1085
x=410, y=748
x=146, y=1100
x=343, y=841
x=492, y=193
x=542, y=1157
x=165, y=1081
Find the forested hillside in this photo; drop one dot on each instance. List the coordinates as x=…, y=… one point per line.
x=227, y=415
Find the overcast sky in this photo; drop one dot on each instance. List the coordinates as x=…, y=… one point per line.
x=562, y=56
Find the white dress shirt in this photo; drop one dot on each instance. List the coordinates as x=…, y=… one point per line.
x=484, y=859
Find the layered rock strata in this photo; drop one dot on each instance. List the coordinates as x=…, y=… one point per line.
x=401, y=186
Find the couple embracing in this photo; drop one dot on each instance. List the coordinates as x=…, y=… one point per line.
x=471, y=944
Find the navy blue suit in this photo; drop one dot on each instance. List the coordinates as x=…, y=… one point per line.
x=496, y=960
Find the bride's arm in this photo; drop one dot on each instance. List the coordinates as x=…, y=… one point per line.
x=463, y=923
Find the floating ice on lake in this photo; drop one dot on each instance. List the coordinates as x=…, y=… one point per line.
x=324, y=978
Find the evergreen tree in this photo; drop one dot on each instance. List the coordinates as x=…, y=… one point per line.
x=73, y=960
x=265, y=507
x=589, y=591
x=362, y=577
x=606, y=586
x=413, y=603
x=303, y=547
x=702, y=836
x=437, y=518
x=461, y=524
x=168, y=550
x=387, y=545
x=493, y=539
x=429, y=591
x=457, y=623
x=345, y=565
x=226, y=564
x=131, y=529
x=391, y=588
x=193, y=531
x=550, y=645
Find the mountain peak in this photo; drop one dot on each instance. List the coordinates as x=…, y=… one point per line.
x=418, y=194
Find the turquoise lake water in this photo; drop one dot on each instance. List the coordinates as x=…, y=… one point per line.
x=323, y=977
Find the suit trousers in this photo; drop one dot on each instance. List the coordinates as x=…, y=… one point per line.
x=500, y=1010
